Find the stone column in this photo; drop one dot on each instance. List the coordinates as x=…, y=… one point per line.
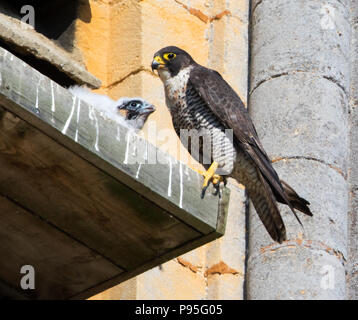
x=352, y=270
x=299, y=104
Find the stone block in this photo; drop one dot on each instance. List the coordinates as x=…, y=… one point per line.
x=302, y=116
x=225, y=287
x=292, y=36
x=326, y=190
x=295, y=272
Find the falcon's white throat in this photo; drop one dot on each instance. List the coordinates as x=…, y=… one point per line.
x=163, y=74
x=174, y=86
x=177, y=82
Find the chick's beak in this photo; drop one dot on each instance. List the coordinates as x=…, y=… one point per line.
x=157, y=63
x=148, y=108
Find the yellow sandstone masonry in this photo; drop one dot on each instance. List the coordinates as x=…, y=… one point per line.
x=117, y=40
x=93, y=36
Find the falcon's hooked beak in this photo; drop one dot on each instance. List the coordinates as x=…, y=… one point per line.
x=158, y=63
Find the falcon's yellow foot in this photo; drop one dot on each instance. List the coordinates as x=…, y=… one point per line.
x=210, y=175
x=216, y=179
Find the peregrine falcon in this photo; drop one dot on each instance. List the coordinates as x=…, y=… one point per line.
x=134, y=111
x=199, y=98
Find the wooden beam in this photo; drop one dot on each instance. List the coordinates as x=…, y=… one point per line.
x=61, y=269
x=186, y=247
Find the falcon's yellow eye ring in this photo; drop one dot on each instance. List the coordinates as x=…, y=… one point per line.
x=169, y=56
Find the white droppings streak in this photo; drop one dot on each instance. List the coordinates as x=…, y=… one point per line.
x=118, y=137
x=97, y=133
x=127, y=149
x=170, y=178
x=146, y=152
x=93, y=117
x=187, y=172
x=137, y=175
x=78, y=118
x=37, y=94
x=181, y=185
x=53, y=106
x=64, y=130
x=134, y=153
x=37, y=99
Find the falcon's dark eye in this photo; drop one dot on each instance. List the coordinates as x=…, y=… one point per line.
x=133, y=104
x=169, y=56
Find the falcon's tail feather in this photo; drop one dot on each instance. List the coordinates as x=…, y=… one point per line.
x=296, y=201
x=270, y=177
x=265, y=204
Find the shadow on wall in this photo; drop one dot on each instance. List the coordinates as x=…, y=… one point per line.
x=54, y=19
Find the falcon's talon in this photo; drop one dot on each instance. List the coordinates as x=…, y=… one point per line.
x=217, y=189
x=203, y=190
x=225, y=181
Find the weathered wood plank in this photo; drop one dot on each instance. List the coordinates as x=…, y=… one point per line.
x=186, y=247
x=62, y=269
x=83, y=201
x=89, y=134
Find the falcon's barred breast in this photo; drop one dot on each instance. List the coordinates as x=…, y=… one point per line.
x=190, y=112
x=199, y=98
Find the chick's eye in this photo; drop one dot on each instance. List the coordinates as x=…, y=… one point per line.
x=170, y=56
